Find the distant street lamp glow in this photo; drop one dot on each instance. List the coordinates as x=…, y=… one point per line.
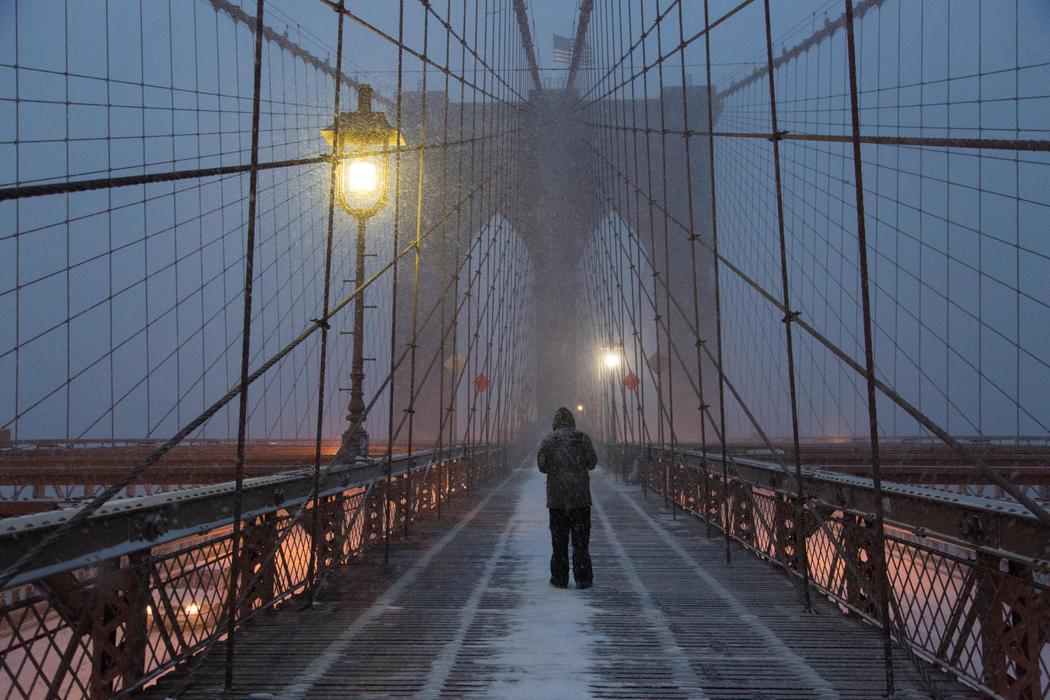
x=579, y=408
x=612, y=356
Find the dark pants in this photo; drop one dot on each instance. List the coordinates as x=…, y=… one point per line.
x=577, y=523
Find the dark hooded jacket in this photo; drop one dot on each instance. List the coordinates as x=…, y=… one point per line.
x=567, y=456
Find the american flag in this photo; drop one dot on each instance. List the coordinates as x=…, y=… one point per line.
x=563, y=51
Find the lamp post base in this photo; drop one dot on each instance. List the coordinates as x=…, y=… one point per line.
x=354, y=447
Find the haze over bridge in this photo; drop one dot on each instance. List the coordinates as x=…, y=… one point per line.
x=293, y=290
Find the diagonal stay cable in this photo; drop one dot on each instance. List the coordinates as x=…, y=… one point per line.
x=102, y=498
x=284, y=42
x=661, y=58
x=991, y=144
x=409, y=50
x=696, y=389
x=521, y=14
x=626, y=54
x=269, y=558
x=23, y=191
x=452, y=32
x=975, y=460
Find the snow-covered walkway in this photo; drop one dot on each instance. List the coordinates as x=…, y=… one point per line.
x=464, y=608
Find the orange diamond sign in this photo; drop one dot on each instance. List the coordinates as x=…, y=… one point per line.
x=631, y=381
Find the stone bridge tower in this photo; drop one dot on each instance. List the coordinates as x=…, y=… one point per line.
x=556, y=211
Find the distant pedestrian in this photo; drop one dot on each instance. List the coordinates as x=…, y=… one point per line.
x=567, y=456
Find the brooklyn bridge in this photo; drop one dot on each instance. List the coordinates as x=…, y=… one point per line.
x=290, y=292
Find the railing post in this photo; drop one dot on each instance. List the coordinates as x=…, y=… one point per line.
x=136, y=624
x=743, y=515
x=442, y=481
x=705, y=499
x=989, y=605
x=255, y=572
x=793, y=525
x=691, y=489
x=327, y=531
x=646, y=464
x=672, y=465
x=859, y=574
x=1015, y=627
x=372, y=529
x=666, y=479
x=409, y=494
x=103, y=633
x=432, y=487
x=117, y=602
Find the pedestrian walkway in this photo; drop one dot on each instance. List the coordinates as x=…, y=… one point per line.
x=464, y=608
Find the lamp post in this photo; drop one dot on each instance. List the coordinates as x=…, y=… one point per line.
x=363, y=141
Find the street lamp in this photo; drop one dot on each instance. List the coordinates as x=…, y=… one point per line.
x=362, y=141
x=612, y=354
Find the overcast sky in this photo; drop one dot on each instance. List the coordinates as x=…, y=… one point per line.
x=120, y=86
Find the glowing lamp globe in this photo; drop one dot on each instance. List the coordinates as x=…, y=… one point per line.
x=360, y=178
x=611, y=353
x=363, y=142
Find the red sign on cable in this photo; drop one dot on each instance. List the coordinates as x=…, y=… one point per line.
x=631, y=381
x=481, y=382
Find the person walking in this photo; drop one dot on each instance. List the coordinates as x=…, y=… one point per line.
x=567, y=457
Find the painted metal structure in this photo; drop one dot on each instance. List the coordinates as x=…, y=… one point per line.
x=141, y=587
x=969, y=576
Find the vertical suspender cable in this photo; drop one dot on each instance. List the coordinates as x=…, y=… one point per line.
x=315, y=515
x=634, y=265
x=789, y=316
x=469, y=429
x=638, y=258
x=415, y=267
x=692, y=253
x=442, y=477
x=246, y=327
x=672, y=483
x=387, y=524
x=453, y=401
x=882, y=582
x=615, y=231
x=652, y=244
x=718, y=286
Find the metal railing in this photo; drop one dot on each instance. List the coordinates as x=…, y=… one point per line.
x=969, y=576
x=143, y=587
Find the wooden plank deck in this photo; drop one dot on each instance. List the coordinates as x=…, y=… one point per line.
x=464, y=608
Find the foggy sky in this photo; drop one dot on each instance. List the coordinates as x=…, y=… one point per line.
x=100, y=287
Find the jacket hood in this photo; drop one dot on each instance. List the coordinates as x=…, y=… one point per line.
x=563, y=418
